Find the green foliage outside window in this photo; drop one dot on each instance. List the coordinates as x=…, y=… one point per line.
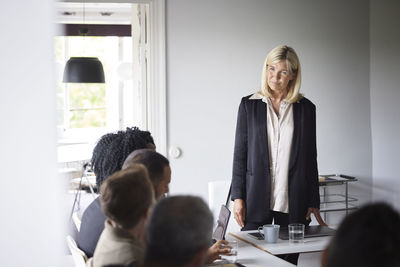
x=87, y=105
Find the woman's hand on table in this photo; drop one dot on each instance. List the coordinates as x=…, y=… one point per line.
x=239, y=211
x=317, y=215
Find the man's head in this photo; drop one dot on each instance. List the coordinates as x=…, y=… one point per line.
x=112, y=149
x=127, y=195
x=367, y=237
x=157, y=166
x=179, y=232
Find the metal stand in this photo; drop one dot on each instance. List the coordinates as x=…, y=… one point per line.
x=336, y=202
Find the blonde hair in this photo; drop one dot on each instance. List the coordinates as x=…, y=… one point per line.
x=288, y=54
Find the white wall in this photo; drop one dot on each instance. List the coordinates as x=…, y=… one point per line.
x=31, y=233
x=385, y=97
x=215, y=50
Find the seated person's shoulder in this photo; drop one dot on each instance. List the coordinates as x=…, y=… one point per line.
x=92, y=224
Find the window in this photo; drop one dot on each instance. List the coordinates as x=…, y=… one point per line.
x=83, y=106
x=86, y=111
x=134, y=92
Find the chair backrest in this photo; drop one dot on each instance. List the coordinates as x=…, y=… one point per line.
x=89, y=262
x=78, y=255
x=217, y=194
x=76, y=220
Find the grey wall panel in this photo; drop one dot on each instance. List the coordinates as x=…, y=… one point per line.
x=385, y=97
x=215, y=50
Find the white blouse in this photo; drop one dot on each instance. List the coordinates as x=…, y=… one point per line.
x=280, y=134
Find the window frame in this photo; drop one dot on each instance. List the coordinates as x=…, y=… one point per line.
x=155, y=100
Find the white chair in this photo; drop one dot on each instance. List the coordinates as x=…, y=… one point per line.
x=217, y=193
x=76, y=220
x=78, y=255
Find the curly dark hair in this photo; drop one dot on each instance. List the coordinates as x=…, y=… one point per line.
x=112, y=149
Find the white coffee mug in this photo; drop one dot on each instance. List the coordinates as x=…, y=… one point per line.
x=270, y=232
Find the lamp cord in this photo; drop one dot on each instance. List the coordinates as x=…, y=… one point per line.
x=83, y=12
x=84, y=30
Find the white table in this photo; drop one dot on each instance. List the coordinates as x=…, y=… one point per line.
x=313, y=244
x=250, y=256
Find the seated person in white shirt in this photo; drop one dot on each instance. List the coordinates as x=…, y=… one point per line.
x=160, y=176
x=126, y=198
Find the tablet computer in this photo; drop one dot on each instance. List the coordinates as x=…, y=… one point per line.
x=222, y=223
x=256, y=235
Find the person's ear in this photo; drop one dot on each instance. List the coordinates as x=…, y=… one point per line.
x=199, y=258
x=147, y=214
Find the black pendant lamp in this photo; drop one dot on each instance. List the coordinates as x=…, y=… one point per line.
x=83, y=69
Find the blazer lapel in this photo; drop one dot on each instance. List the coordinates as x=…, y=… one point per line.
x=262, y=128
x=296, y=135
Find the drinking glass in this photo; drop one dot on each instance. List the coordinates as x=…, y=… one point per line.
x=296, y=233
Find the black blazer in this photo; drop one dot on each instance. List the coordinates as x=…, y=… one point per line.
x=251, y=179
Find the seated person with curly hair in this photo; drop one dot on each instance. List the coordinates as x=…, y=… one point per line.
x=108, y=157
x=126, y=198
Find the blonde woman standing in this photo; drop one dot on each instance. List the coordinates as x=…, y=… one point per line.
x=275, y=173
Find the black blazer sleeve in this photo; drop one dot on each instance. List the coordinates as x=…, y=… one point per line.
x=240, y=154
x=312, y=171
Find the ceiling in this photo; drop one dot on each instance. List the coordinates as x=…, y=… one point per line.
x=95, y=13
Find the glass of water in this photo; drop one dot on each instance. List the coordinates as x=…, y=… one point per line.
x=296, y=233
x=232, y=257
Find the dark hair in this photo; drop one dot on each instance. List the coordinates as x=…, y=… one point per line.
x=368, y=237
x=113, y=148
x=154, y=162
x=178, y=228
x=127, y=195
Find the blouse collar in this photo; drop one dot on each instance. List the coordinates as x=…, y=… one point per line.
x=267, y=100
